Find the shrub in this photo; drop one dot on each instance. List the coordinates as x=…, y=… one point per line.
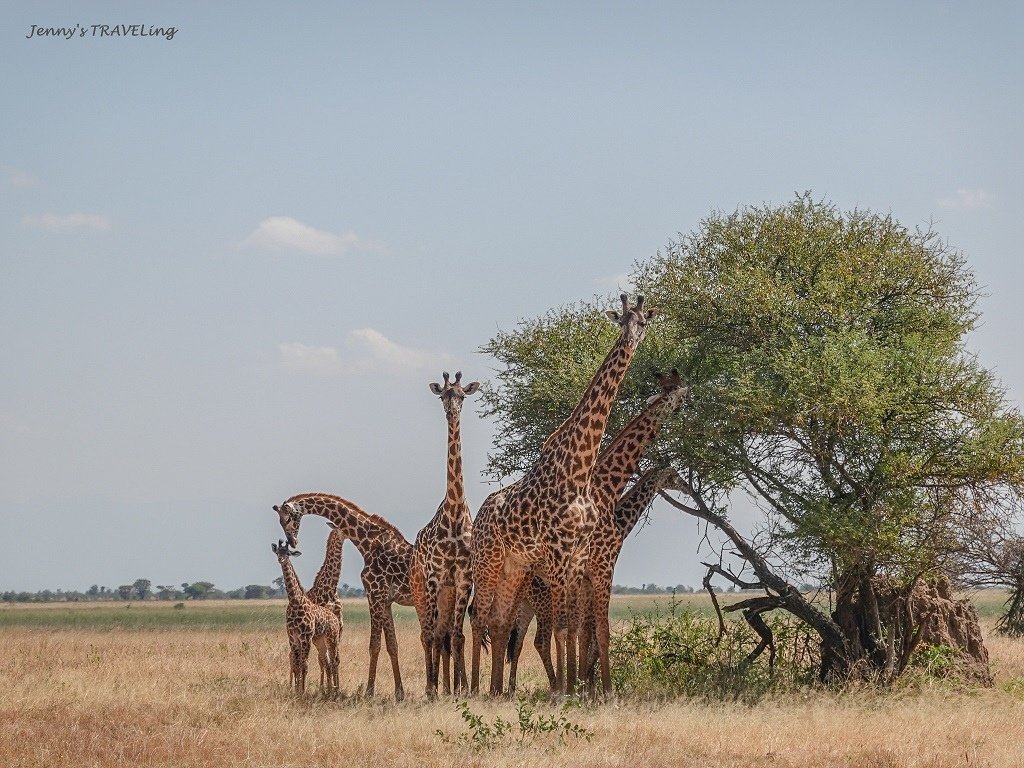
x=663, y=654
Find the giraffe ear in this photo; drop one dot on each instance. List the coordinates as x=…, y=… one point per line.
x=295, y=553
x=436, y=389
x=472, y=387
x=648, y=314
x=612, y=315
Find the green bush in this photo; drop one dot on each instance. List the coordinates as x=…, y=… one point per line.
x=677, y=653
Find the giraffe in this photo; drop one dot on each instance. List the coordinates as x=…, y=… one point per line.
x=616, y=463
x=325, y=587
x=387, y=556
x=543, y=522
x=628, y=511
x=308, y=624
x=440, y=577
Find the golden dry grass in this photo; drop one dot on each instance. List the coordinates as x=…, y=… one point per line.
x=218, y=697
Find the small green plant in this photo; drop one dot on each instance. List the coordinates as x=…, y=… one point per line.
x=528, y=727
x=935, y=660
x=661, y=655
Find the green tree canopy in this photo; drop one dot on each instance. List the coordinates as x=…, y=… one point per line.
x=829, y=379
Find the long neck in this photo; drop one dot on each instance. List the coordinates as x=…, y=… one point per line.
x=292, y=587
x=354, y=524
x=636, y=501
x=572, y=449
x=455, y=496
x=325, y=586
x=619, y=460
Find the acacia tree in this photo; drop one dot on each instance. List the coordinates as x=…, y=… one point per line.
x=830, y=381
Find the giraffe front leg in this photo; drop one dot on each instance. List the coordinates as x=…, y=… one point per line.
x=424, y=597
x=376, y=628
x=301, y=665
x=458, y=633
x=391, y=641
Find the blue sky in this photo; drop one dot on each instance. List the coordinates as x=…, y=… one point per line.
x=233, y=261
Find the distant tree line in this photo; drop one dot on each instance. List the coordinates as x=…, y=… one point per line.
x=143, y=589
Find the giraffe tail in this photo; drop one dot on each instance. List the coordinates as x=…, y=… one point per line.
x=513, y=641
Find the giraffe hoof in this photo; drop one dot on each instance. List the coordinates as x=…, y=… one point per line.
x=399, y=695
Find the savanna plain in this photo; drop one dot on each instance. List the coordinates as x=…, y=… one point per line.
x=206, y=684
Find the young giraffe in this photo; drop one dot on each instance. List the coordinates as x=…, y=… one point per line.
x=325, y=587
x=440, y=578
x=543, y=522
x=538, y=598
x=308, y=624
x=387, y=556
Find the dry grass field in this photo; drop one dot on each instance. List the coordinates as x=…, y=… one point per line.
x=206, y=685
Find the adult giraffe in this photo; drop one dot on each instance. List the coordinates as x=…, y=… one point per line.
x=543, y=522
x=615, y=465
x=440, y=577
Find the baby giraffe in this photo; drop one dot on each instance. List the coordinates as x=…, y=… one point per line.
x=308, y=624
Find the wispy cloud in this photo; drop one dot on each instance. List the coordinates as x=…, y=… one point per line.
x=16, y=178
x=619, y=282
x=302, y=358
x=283, y=233
x=54, y=221
x=367, y=350
x=968, y=199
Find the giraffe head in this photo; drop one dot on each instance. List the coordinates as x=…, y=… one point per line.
x=669, y=480
x=282, y=551
x=673, y=389
x=452, y=393
x=289, y=515
x=632, y=320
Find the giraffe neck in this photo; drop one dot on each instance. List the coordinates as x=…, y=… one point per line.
x=636, y=501
x=619, y=460
x=354, y=524
x=292, y=587
x=325, y=587
x=572, y=449
x=455, y=495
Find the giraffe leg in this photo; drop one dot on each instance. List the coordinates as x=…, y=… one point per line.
x=302, y=665
x=587, y=643
x=443, y=636
x=499, y=641
x=542, y=640
x=559, y=613
x=602, y=633
x=376, y=627
x=503, y=614
x=458, y=633
x=391, y=640
x=323, y=657
x=477, y=627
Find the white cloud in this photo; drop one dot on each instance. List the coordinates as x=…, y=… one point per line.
x=367, y=350
x=619, y=282
x=968, y=199
x=303, y=358
x=283, y=233
x=16, y=178
x=53, y=221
